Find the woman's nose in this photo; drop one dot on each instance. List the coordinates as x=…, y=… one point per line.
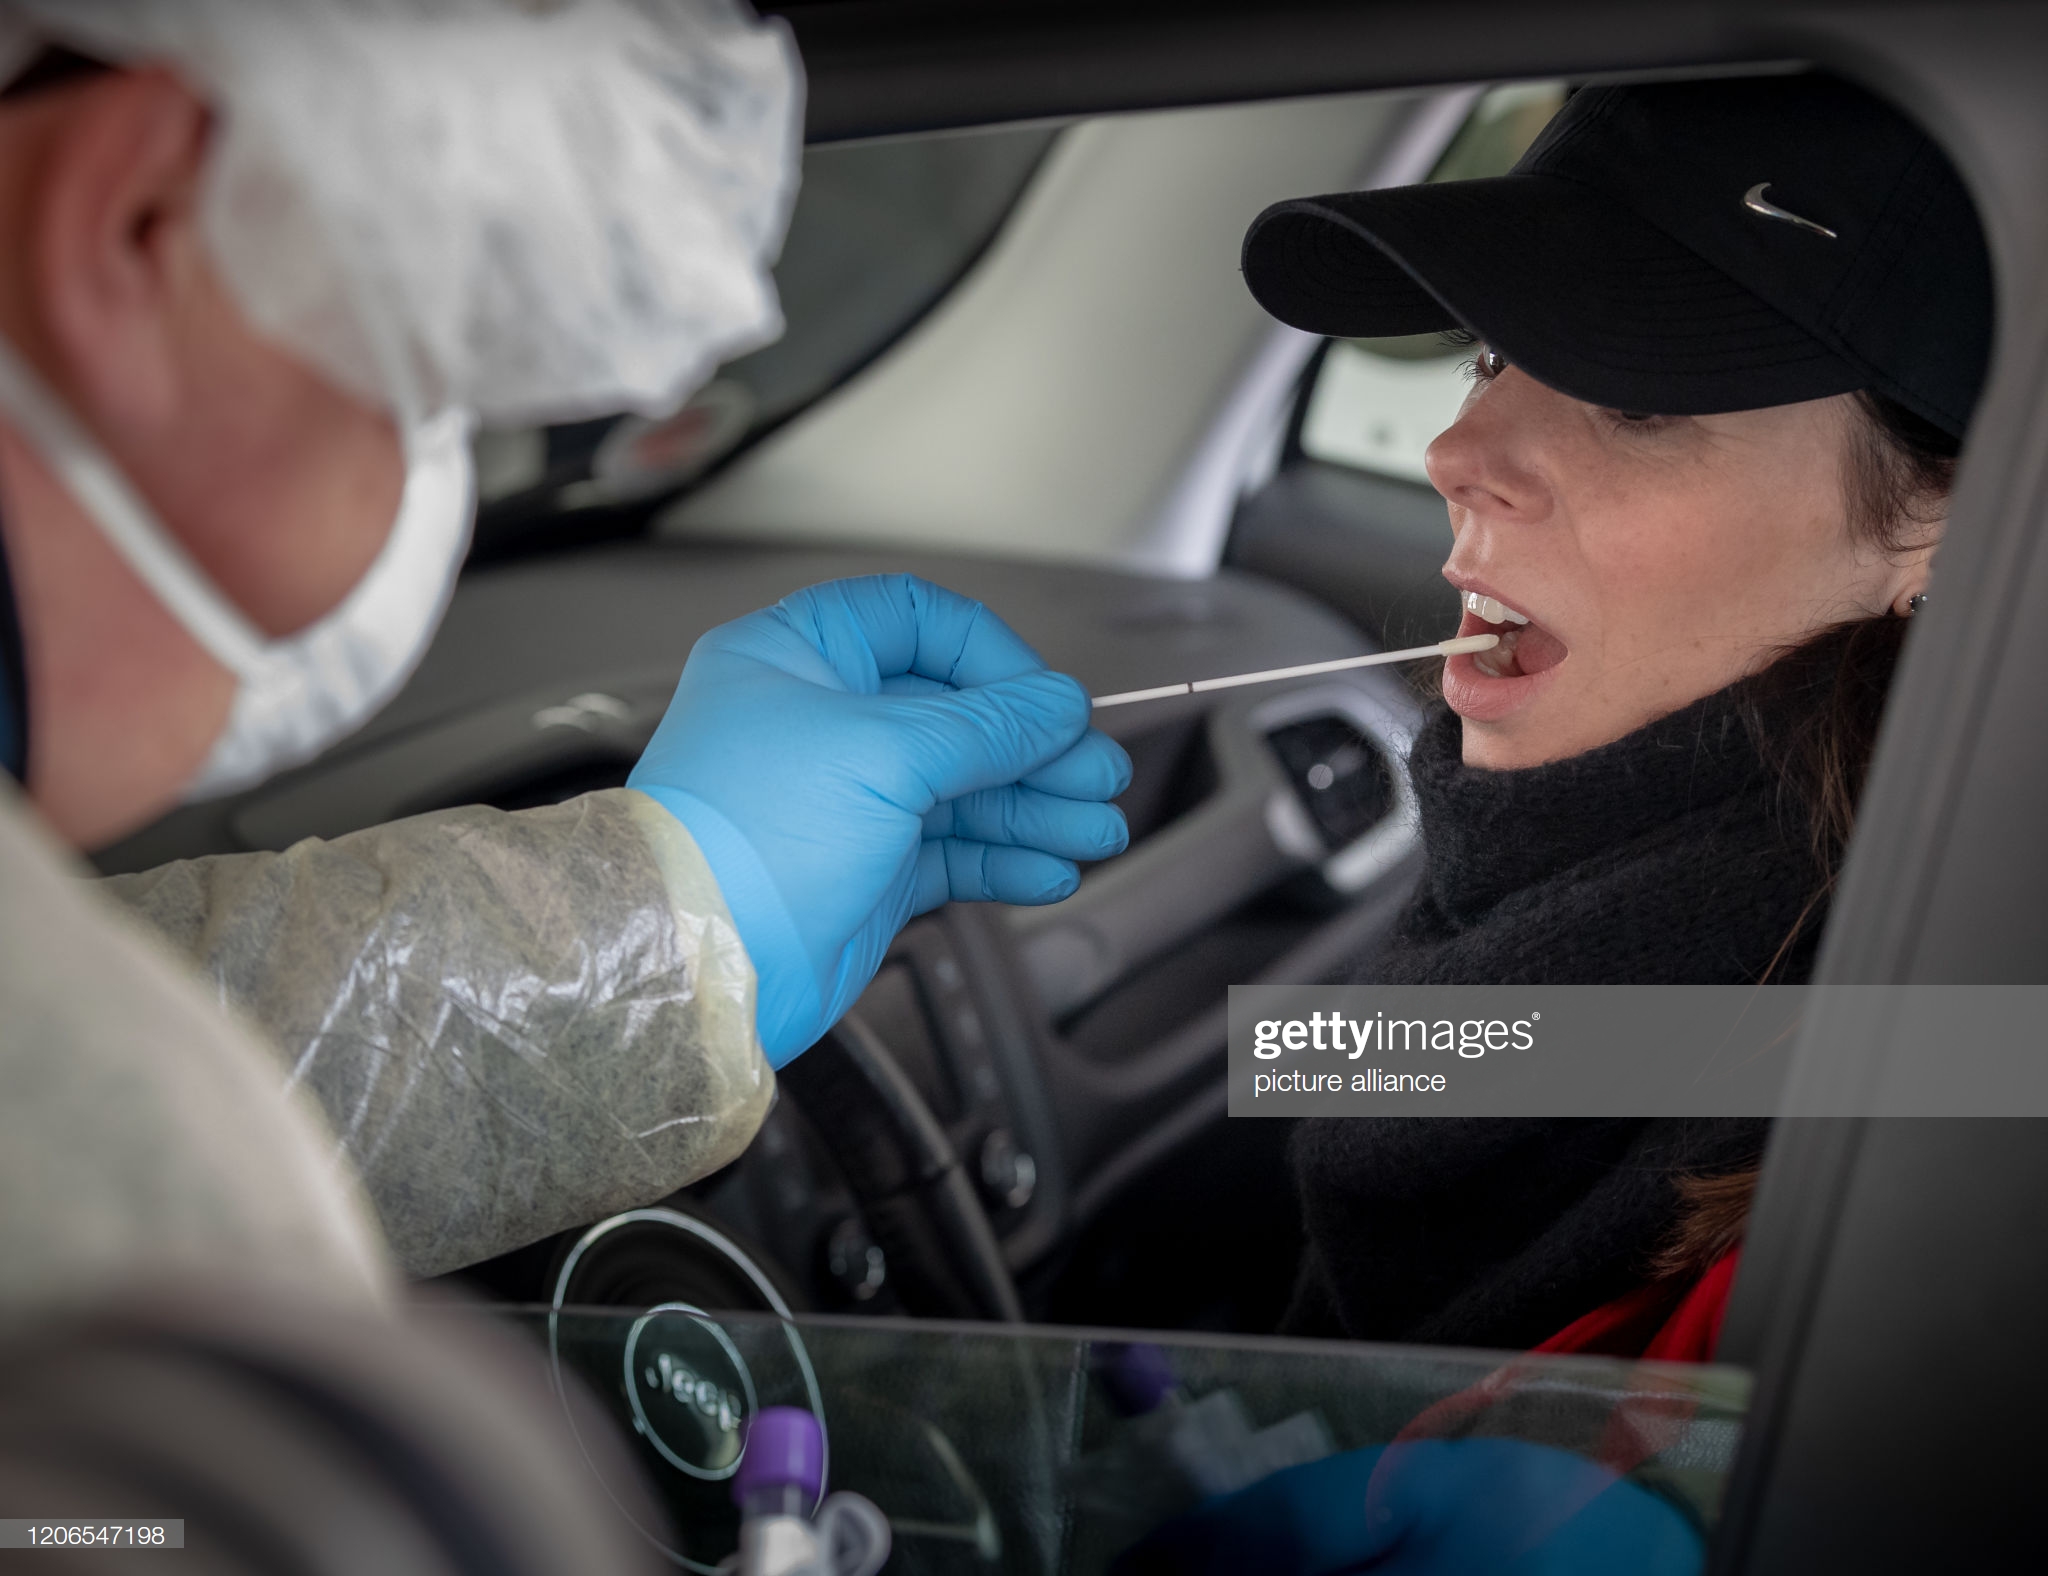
x=1485, y=461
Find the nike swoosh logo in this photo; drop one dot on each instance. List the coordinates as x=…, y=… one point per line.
x=1753, y=200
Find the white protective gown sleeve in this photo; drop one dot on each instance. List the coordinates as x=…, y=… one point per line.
x=515, y=1022
x=144, y=1136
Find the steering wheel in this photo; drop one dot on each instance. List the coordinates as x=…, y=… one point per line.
x=910, y=1185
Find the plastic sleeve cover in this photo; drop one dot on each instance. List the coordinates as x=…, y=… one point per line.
x=515, y=1022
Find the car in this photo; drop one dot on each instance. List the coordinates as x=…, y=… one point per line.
x=1020, y=362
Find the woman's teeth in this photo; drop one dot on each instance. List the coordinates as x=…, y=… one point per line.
x=1499, y=662
x=1493, y=610
x=1525, y=648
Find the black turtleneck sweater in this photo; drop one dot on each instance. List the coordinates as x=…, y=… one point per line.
x=1674, y=855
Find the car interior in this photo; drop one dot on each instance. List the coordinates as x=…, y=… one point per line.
x=1020, y=362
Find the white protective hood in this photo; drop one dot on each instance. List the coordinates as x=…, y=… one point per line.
x=537, y=210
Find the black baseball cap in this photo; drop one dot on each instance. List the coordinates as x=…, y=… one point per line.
x=1676, y=248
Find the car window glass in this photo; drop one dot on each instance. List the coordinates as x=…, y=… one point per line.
x=1375, y=404
x=880, y=232
x=1044, y=1449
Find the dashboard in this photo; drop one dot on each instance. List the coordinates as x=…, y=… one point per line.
x=1041, y=1061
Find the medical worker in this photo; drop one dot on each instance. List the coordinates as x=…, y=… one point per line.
x=265, y=267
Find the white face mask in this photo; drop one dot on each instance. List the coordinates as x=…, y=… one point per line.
x=298, y=695
x=295, y=695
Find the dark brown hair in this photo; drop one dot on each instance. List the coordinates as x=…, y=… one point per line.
x=1897, y=469
x=1897, y=472
x=1714, y=1213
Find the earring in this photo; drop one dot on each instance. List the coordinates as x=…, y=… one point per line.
x=1915, y=603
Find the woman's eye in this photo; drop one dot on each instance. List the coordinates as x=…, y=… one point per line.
x=1486, y=364
x=1641, y=420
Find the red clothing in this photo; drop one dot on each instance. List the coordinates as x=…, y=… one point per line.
x=1661, y=1322
x=1656, y=1321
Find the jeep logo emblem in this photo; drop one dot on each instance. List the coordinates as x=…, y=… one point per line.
x=689, y=1390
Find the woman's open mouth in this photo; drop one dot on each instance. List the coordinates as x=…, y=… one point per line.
x=1485, y=686
x=1525, y=648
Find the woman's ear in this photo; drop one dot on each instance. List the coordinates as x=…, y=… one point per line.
x=115, y=259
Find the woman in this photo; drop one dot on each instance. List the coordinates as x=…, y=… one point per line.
x=1730, y=334
x=1701, y=846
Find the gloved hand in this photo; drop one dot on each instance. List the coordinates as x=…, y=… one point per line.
x=860, y=753
x=1432, y=1507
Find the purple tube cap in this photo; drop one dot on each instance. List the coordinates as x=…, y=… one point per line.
x=1139, y=1377
x=784, y=1446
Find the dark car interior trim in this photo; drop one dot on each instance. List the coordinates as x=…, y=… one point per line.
x=886, y=67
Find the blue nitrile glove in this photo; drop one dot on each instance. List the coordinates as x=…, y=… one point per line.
x=861, y=752
x=1432, y=1507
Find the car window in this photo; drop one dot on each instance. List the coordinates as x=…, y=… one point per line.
x=1007, y=1448
x=1062, y=401
x=880, y=231
x=1375, y=404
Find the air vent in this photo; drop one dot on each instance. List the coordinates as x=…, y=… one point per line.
x=1341, y=776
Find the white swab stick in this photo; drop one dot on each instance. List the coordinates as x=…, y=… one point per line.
x=1443, y=648
x=1129, y=696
